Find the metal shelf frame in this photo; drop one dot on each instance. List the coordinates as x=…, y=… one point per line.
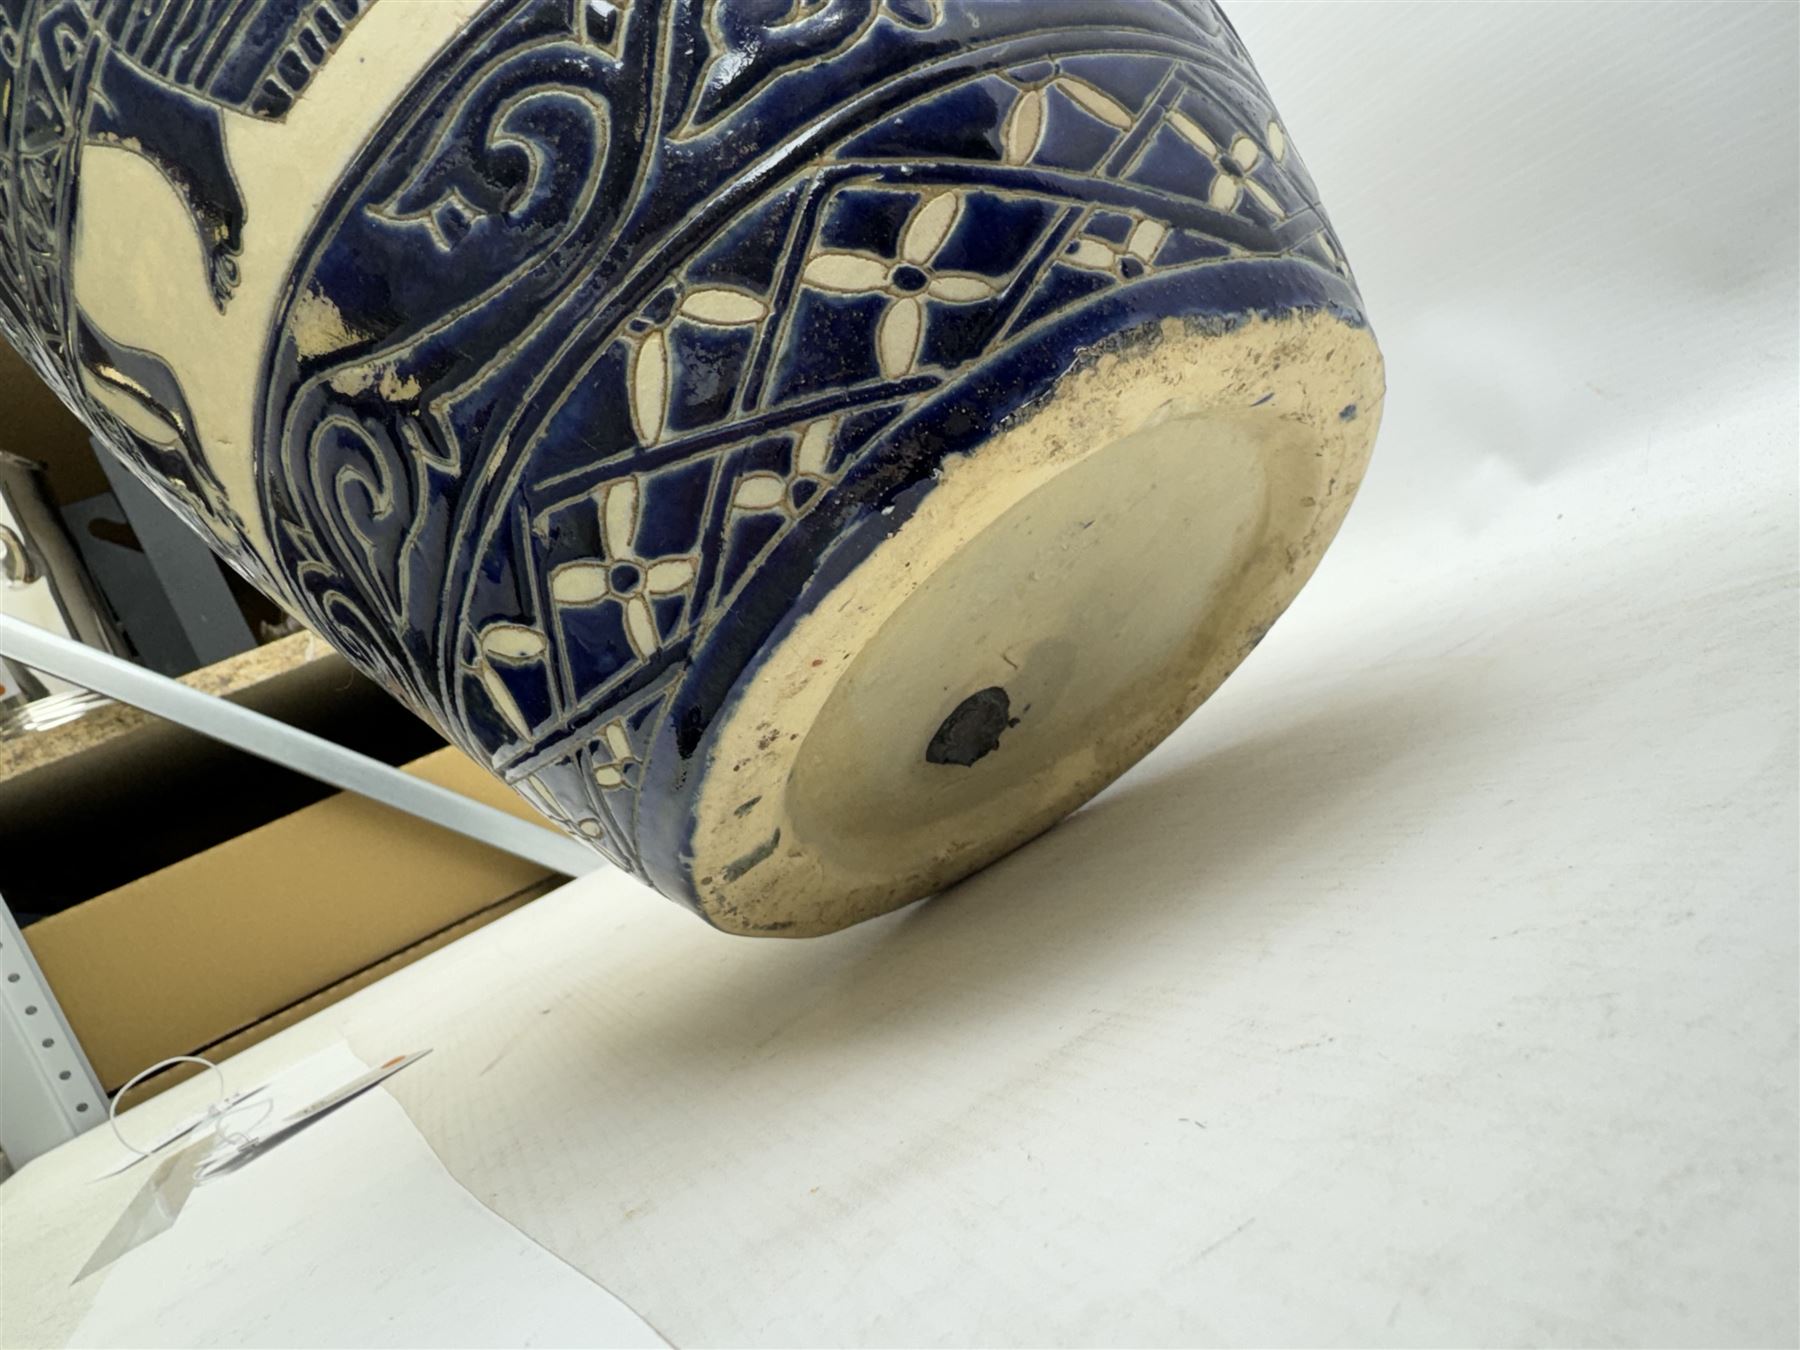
x=48, y=1091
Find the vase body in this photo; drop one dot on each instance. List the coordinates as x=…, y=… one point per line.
x=805, y=447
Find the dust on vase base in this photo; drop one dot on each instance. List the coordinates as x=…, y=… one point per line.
x=806, y=450
x=1058, y=603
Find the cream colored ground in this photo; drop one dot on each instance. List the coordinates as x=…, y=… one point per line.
x=1106, y=563
x=137, y=267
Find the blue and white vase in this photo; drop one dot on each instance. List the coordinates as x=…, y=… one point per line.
x=807, y=447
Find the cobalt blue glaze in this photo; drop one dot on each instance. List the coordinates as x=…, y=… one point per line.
x=688, y=247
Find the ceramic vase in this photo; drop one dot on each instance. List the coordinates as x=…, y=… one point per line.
x=807, y=447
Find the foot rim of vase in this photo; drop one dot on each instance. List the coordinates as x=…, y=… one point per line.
x=1060, y=601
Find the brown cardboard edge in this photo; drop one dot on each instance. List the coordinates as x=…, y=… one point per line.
x=189, y=940
x=295, y=1013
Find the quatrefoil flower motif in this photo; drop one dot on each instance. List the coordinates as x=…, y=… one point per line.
x=1232, y=165
x=611, y=772
x=619, y=576
x=764, y=491
x=1128, y=261
x=508, y=644
x=907, y=281
x=1022, y=134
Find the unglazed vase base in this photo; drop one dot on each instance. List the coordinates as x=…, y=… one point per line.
x=1067, y=596
x=804, y=448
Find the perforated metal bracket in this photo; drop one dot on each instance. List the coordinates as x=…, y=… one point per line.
x=48, y=1090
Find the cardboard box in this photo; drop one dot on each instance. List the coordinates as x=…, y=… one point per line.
x=224, y=947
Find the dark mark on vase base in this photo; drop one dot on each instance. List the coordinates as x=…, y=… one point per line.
x=759, y=854
x=973, y=729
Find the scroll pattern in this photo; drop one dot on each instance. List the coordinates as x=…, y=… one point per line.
x=619, y=342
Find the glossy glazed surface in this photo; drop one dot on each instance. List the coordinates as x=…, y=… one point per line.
x=555, y=358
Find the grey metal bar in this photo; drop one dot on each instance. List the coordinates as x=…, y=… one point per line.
x=186, y=569
x=125, y=578
x=299, y=750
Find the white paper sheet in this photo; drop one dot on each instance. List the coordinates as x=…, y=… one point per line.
x=348, y=1234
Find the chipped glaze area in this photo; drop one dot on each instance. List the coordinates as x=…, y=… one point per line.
x=625, y=315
